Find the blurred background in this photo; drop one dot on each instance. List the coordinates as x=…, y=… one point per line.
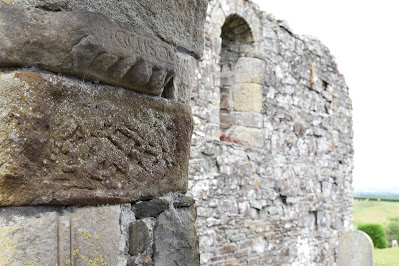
x=362, y=36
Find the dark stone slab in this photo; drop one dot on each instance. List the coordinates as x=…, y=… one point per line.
x=85, y=44
x=151, y=208
x=139, y=239
x=64, y=142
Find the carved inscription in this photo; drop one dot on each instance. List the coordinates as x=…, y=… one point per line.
x=145, y=46
x=87, y=45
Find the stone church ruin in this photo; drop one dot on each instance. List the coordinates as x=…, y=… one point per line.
x=272, y=155
x=168, y=132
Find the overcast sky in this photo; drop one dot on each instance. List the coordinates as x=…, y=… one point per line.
x=363, y=36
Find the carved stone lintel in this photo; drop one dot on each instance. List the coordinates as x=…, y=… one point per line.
x=66, y=143
x=87, y=45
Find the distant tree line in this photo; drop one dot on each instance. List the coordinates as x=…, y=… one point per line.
x=376, y=198
x=378, y=195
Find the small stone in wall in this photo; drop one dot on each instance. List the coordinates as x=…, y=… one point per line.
x=139, y=238
x=140, y=261
x=151, y=208
x=182, y=202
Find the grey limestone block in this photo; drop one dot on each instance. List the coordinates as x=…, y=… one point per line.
x=65, y=142
x=31, y=239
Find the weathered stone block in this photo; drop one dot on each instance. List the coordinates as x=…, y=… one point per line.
x=139, y=239
x=57, y=236
x=183, y=81
x=175, y=238
x=250, y=70
x=69, y=143
x=179, y=22
x=29, y=241
x=247, y=97
x=87, y=45
x=95, y=234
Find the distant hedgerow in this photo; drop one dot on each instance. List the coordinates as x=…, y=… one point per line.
x=376, y=232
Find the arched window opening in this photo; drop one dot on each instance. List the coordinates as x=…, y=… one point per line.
x=235, y=33
x=240, y=82
x=236, y=29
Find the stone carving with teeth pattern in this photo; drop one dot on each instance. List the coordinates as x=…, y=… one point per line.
x=87, y=45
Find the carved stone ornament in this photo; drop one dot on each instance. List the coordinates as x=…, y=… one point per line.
x=87, y=45
x=65, y=142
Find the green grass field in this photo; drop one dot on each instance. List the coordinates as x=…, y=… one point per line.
x=386, y=257
x=378, y=212
x=374, y=212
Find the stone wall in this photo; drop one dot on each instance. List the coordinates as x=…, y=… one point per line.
x=272, y=154
x=95, y=131
x=155, y=232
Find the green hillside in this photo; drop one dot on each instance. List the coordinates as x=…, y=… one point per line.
x=374, y=212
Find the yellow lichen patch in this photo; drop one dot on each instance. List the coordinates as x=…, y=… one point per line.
x=8, y=244
x=75, y=252
x=94, y=259
x=97, y=261
x=30, y=263
x=7, y=1
x=85, y=234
